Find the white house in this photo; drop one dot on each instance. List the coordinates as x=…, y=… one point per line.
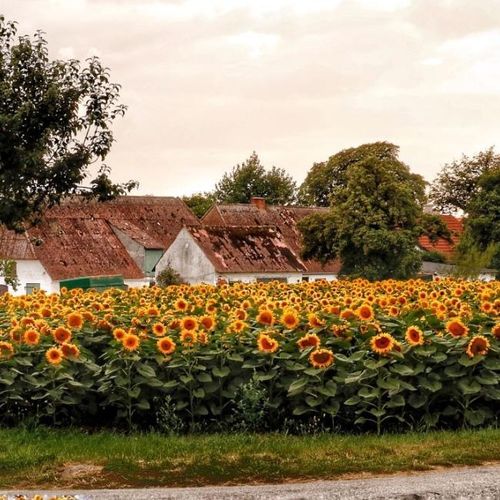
x=30, y=272
x=126, y=237
x=207, y=254
x=284, y=218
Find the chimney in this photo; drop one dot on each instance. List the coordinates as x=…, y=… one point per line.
x=259, y=202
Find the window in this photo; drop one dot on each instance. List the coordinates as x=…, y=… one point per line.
x=151, y=258
x=31, y=287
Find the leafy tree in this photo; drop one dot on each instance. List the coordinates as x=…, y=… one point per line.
x=480, y=243
x=326, y=177
x=55, y=121
x=471, y=259
x=433, y=226
x=483, y=221
x=199, y=203
x=251, y=179
x=8, y=272
x=374, y=220
x=457, y=184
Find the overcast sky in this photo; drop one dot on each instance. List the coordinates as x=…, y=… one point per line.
x=209, y=81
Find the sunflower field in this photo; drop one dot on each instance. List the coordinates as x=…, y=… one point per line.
x=350, y=356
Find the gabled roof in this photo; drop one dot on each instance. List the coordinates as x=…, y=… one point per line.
x=82, y=246
x=157, y=217
x=246, y=249
x=442, y=245
x=15, y=246
x=136, y=234
x=285, y=218
x=77, y=238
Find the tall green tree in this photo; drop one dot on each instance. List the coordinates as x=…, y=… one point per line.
x=326, y=177
x=457, y=184
x=251, y=179
x=471, y=185
x=55, y=121
x=374, y=220
x=479, y=246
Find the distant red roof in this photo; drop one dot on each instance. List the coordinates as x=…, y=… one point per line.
x=284, y=218
x=442, y=245
x=250, y=249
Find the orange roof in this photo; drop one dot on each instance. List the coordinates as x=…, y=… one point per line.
x=443, y=245
x=73, y=247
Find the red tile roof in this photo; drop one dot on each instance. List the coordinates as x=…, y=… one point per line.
x=83, y=246
x=136, y=234
x=15, y=246
x=247, y=249
x=442, y=245
x=77, y=238
x=283, y=217
x=155, y=217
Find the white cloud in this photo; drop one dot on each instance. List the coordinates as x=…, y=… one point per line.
x=256, y=44
x=385, y=5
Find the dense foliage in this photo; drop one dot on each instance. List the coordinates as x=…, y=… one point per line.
x=472, y=186
x=457, y=184
x=325, y=178
x=374, y=220
x=55, y=121
x=200, y=203
x=346, y=355
x=251, y=179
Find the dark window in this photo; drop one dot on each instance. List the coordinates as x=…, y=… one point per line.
x=31, y=287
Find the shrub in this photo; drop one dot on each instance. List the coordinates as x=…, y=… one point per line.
x=168, y=276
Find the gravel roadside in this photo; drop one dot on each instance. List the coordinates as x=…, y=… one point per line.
x=457, y=483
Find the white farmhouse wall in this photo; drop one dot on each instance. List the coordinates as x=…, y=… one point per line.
x=135, y=250
x=252, y=277
x=316, y=277
x=137, y=283
x=186, y=257
x=32, y=271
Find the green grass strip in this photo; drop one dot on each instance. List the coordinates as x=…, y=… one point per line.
x=46, y=457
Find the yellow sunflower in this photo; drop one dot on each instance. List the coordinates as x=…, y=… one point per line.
x=166, y=345
x=131, y=342
x=290, y=319
x=456, y=328
x=382, y=343
x=309, y=340
x=321, y=358
x=414, y=336
x=54, y=356
x=267, y=344
x=478, y=345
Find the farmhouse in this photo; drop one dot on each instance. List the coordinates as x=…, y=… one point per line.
x=233, y=253
x=284, y=218
x=126, y=236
